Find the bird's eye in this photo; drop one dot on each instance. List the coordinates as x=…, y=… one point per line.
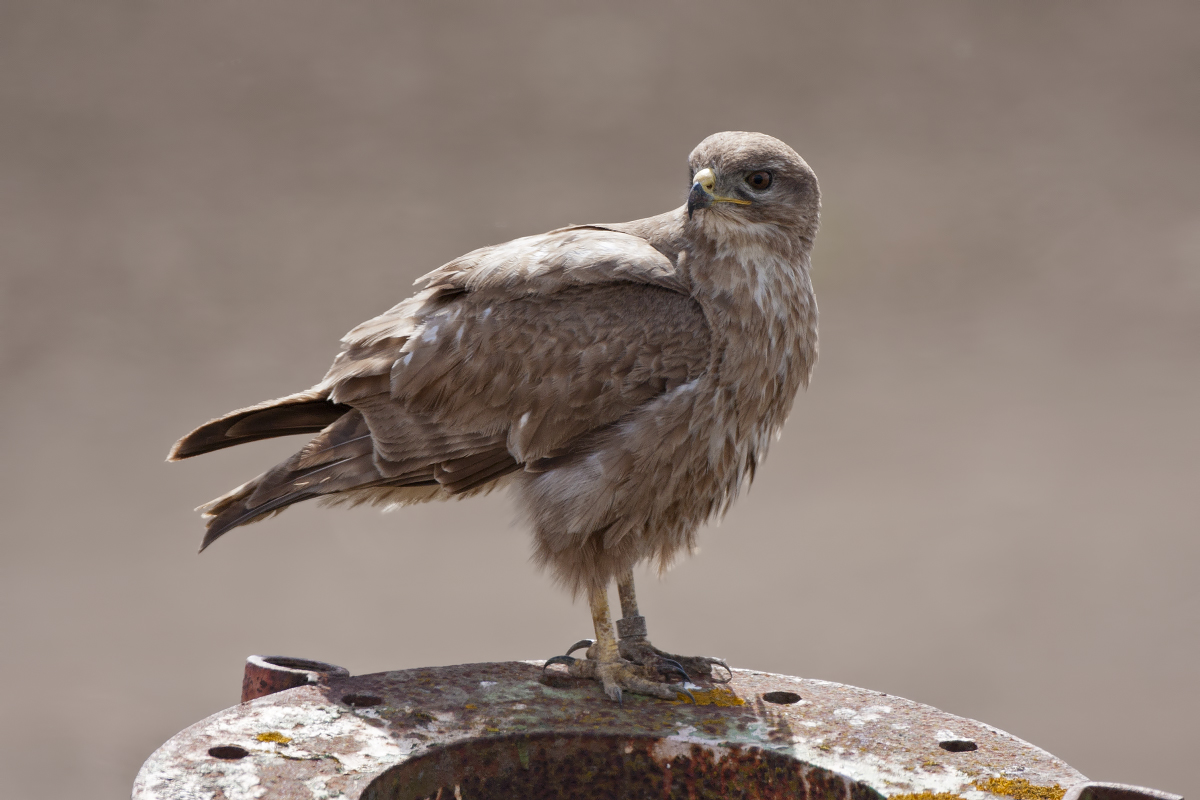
x=759, y=180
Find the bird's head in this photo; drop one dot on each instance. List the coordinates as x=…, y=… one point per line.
x=746, y=180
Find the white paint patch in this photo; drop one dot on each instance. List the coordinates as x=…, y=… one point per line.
x=237, y=780
x=315, y=730
x=319, y=786
x=680, y=746
x=875, y=771
x=375, y=750
x=862, y=716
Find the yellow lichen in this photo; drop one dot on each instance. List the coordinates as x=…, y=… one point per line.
x=1021, y=789
x=273, y=736
x=470, y=706
x=712, y=697
x=926, y=796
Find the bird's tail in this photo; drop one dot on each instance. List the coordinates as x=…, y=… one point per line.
x=338, y=464
x=338, y=459
x=306, y=412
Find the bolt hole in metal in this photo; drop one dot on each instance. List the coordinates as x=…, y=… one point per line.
x=958, y=745
x=228, y=752
x=361, y=700
x=587, y=766
x=954, y=742
x=782, y=698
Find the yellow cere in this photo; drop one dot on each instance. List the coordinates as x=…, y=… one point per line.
x=273, y=736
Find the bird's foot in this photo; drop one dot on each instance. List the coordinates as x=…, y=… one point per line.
x=638, y=650
x=619, y=676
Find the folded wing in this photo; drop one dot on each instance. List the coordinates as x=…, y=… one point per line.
x=511, y=356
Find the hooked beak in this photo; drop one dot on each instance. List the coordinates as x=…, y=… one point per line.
x=702, y=196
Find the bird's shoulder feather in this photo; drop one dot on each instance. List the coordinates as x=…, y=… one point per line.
x=578, y=255
x=537, y=341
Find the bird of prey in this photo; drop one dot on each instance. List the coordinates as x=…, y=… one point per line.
x=623, y=380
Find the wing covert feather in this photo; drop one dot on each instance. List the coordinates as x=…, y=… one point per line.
x=525, y=346
x=544, y=370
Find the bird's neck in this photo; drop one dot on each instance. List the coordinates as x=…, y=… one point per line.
x=753, y=283
x=756, y=292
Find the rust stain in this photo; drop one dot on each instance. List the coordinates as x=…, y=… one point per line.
x=509, y=730
x=720, y=696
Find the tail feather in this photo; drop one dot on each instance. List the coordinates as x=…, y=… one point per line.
x=306, y=412
x=225, y=516
x=348, y=464
x=342, y=462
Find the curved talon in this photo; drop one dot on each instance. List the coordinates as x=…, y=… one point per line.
x=724, y=666
x=567, y=660
x=679, y=668
x=582, y=643
x=683, y=690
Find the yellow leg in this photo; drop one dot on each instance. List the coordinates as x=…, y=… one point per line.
x=606, y=637
x=635, y=647
x=604, y=662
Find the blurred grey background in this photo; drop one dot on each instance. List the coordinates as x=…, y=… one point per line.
x=988, y=500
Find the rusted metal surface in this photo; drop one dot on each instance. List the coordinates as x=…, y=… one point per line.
x=1095, y=790
x=269, y=674
x=507, y=730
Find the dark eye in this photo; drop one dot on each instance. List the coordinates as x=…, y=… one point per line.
x=759, y=180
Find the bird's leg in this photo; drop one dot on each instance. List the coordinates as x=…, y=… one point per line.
x=634, y=645
x=604, y=662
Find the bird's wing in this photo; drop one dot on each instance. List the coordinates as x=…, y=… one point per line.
x=510, y=356
x=579, y=255
x=514, y=352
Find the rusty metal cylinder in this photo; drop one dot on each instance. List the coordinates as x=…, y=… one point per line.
x=269, y=674
x=518, y=729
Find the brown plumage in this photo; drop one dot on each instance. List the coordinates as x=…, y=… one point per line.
x=625, y=380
